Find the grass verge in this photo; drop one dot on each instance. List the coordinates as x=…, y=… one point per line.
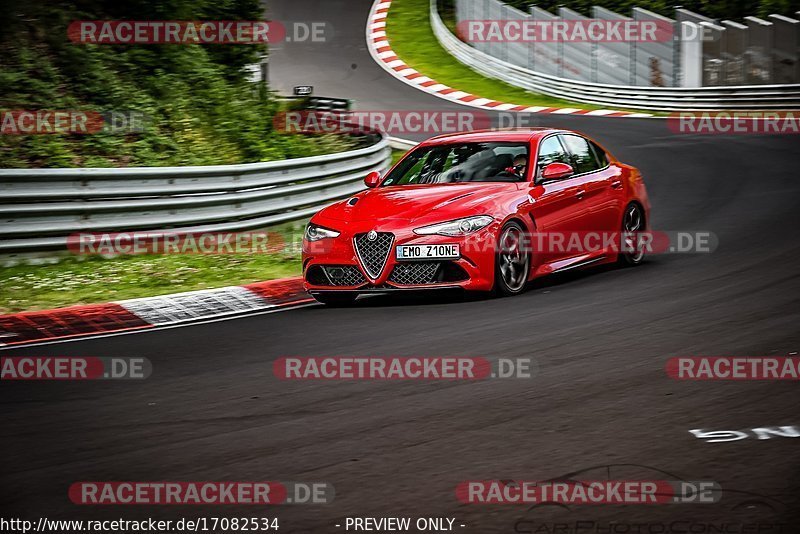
x=68, y=280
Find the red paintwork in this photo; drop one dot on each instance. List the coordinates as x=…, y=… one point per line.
x=29, y=327
x=373, y=179
x=281, y=291
x=549, y=207
x=556, y=171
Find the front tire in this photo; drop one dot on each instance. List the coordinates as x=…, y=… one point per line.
x=336, y=299
x=512, y=260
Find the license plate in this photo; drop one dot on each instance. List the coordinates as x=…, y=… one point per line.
x=427, y=252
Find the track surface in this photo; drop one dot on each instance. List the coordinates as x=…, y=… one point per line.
x=213, y=411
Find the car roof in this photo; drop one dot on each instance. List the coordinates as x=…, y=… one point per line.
x=484, y=136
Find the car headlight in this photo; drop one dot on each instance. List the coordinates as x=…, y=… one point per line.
x=458, y=227
x=315, y=232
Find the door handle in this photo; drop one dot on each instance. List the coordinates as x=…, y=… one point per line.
x=579, y=194
x=616, y=184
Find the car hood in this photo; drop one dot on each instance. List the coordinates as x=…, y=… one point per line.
x=411, y=202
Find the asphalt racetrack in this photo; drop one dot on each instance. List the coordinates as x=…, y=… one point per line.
x=212, y=409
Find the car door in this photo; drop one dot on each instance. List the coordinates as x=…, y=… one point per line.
x=591, y=186
x=598, y=184
x=556, y=205
x=614, y=203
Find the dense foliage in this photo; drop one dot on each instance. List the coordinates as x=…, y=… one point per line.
x=199, y=106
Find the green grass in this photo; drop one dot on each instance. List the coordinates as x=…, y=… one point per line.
x=73, y=279
x=94, y=279
x=397, y=154
x=409, y=32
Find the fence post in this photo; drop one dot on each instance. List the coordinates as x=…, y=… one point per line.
x=691, y=54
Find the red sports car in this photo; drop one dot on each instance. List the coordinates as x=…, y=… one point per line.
x=470, y=211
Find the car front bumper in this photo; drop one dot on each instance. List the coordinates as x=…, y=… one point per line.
x=334, y=264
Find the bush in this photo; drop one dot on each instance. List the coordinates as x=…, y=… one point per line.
x=200, y=108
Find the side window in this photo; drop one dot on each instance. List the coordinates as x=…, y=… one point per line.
x=551, y=151
x=602, y=159
x=582, y=155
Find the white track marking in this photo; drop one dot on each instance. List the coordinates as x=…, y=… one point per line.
x=194, y=305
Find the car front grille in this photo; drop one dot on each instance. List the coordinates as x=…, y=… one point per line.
x=414, y=273
x=344, y=275
x=373, y=254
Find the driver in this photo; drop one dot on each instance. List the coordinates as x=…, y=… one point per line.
x=518, y=166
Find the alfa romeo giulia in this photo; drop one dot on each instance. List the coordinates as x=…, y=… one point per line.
x=462, y=211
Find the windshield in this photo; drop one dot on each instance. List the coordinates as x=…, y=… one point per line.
x=462, y=162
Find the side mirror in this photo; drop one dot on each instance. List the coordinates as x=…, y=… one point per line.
x=373, y=179
x=556, y=171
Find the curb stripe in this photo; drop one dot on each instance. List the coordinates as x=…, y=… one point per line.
x=74, y=321
x=150, y=312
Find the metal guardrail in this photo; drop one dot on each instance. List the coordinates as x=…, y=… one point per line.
x=752, y=97
x=401, y=144
x=322, y=103
x=41, y=207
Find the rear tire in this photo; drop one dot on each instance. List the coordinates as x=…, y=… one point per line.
x=632, y=221
x=512, y=261
x=336, y=299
